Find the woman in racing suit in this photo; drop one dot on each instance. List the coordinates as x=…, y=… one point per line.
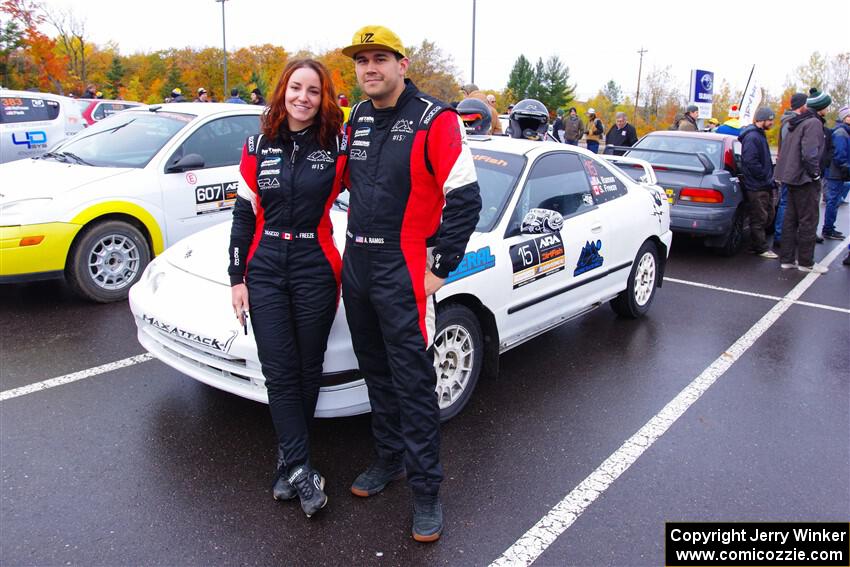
x=283, y=262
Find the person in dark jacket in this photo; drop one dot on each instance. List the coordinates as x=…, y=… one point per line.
x=573, y=128
x=414, y=204
x=838, y=175
x=621, y=134
x=257, y=97
x=283, y=261
x=757, y=179
x=798, y=166
x=798, y=105
x=558, y=126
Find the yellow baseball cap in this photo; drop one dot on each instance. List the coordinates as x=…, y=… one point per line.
x=374, y=37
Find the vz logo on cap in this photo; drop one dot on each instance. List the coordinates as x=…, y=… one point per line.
x=367, y=38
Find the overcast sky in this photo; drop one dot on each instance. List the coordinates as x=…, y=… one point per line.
x=598, y=40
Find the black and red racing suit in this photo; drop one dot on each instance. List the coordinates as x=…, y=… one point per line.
x=412, y=180
x=281, y=245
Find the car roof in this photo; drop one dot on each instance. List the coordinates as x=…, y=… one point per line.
x=682, y=134
x=118, y=100
x=201, y=108
x=10, y=92
x=519, y=146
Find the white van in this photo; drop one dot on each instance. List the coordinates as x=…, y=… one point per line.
x=32, y=122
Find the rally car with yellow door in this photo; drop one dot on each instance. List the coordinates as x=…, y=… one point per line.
x=561, y=232
x=98, y=206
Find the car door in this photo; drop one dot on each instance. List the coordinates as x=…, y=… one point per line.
x=544, y=265
x=201, y=197
x=622, y=220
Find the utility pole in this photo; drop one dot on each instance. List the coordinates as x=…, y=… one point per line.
x=224, y=47
x=640, y=69
x=472, y=80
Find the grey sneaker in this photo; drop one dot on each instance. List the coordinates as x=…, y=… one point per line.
x=376, y=477
x=788, y=266
x=769, y=254
x=427, y=518
x=814, y=269
x=282, y=490
x=310, y=486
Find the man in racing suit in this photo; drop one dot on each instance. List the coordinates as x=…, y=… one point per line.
x=281, y=245
x=413, y=185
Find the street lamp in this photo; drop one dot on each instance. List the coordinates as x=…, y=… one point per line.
x=224, y=47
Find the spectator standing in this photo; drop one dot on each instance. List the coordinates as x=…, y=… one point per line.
x=471, y=91
x=573, y=128
x=798, y=106
x=257, y=97
x=732, y=126
x=234, y=97
x=558, y=126
x=688, y=122
x=757, y=179
x=838, y=175
x=711, y=125
x=202, y=95
x=595, y=131
x=798, y=166
x=621, y=134
x=177, y=95
x=90, y=92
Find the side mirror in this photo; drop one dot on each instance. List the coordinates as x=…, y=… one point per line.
x=541, y=221
x=186, y=163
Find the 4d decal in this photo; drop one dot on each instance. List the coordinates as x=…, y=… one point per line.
x=589, y=259
x=472, y=263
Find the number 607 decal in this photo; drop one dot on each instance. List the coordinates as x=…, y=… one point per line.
x=212, y=198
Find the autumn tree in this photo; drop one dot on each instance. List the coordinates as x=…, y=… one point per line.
x=432, y=71
x=73, y=42
x=11, y=39
x=40, y=65
x=115, y=77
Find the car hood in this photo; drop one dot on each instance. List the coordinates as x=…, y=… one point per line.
x=47, y=178
x=204, y=254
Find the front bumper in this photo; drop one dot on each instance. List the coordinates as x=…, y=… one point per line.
x=701, y=221
x=37, y=261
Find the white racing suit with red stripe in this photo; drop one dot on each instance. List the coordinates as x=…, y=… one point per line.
x=281, y=245
x=412, y=183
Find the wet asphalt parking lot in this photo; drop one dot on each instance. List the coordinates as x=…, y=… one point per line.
x=141, y=465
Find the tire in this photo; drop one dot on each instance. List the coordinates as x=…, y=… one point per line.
x=458, y=358
x=634, y=301
x=106, y=261
x=735, y=237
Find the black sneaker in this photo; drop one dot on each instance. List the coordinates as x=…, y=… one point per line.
x=310, y=486
x=376, y=477
x=427, y=518
x=282, y=490
x=818, y=239
x=846, y=260
x=833, y=235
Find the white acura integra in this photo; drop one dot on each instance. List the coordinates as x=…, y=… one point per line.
x=561, y=231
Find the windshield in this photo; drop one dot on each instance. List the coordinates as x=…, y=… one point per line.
x=128, y=139
x=497, y=176
x=713, y=149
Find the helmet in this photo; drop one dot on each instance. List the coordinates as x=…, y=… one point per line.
x=176, y=91
x=475, y=115
x=529, y=119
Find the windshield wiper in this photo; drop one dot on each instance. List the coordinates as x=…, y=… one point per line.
x=76, y=158
x=55, y=155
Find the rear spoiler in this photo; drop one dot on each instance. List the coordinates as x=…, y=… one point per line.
x=707, y=166
x=648, y=176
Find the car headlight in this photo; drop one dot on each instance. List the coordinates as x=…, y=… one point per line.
x=22, y=211
x=154, y=274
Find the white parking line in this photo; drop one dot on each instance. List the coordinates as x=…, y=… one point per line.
x=68, y=378
x=759, y=295
x=537, y=539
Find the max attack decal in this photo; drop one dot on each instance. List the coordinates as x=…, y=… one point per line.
x=472, y=263
x=538, y=258
x=589, y=259
x=222, y=345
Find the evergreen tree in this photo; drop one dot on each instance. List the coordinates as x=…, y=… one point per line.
x=537, y=88
x=557, y=91
x=613, y=92
x=115, y=76
x=521, y=78
x=173, y=81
